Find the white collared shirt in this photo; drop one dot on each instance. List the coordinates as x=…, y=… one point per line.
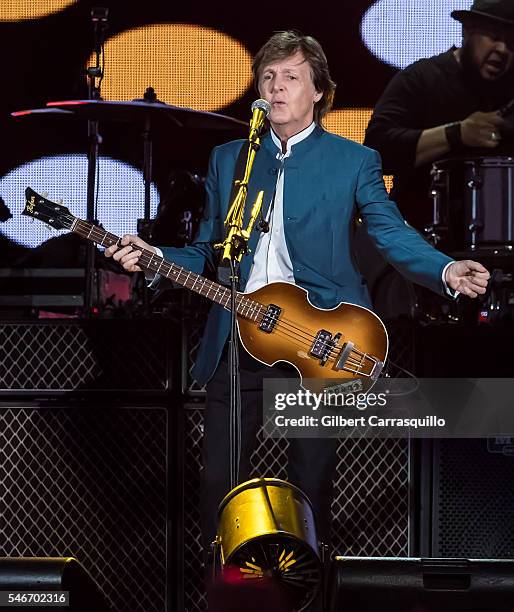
x=272, y=262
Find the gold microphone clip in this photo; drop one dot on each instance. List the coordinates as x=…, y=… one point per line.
x=260, y=110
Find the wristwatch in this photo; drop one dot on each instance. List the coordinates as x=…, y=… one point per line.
x=453, y=136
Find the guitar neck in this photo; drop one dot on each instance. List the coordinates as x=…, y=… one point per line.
x=151, y=261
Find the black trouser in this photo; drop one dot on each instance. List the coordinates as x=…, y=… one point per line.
x=311, y=461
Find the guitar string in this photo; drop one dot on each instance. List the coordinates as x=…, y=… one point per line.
x=99, y=235
x=351, y=361
x=243, y=302
x=356, y=361
x=251, y=306
x=333, y=351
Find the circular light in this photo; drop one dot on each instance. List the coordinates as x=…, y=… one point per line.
x=19, y=10
x=351, y=123
x=187, y=65
x=400, y=32
x=120, y=201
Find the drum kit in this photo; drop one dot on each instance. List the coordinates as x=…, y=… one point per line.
x=151, y=119
x=473, y=205
x=472, y=217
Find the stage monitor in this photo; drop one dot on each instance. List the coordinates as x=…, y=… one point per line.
x=366, y=584
x=30, y=575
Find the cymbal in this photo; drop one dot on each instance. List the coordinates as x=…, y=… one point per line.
x=55, y=112
x=136, y=111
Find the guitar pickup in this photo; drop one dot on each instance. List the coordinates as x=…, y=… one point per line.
x=270, y=318
x=323, y=345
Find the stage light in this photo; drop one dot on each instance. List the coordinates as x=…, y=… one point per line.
x=187, y=65
x=400, y=32
x=266, y=534
x=351, y=123
x=21, y=10
x=120, y=201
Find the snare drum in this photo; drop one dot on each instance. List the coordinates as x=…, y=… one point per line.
x=473, y=203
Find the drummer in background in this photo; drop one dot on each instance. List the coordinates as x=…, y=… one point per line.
x=448, y=106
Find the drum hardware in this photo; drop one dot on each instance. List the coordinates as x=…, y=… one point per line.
x=434, y=231
x=154, y=120
x=498, y=304
x=473, y=205
x=476, y=225
x=266, y=532
x=510, y=219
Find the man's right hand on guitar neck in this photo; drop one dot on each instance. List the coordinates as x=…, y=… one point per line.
x=128, y=254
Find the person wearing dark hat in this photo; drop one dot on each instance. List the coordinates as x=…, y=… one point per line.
x=446, y=106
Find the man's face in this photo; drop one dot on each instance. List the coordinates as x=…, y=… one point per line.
x=490, y=47
x=287, y=85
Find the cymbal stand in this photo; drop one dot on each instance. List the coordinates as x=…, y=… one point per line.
x=94, y=76
x=143, y=225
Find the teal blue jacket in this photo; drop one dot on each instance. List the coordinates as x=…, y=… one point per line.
x=327, y=181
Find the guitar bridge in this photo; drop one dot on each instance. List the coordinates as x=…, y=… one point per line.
x=270, y=318
x=362, y=364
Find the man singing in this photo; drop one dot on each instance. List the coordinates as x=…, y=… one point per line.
x=314, y=183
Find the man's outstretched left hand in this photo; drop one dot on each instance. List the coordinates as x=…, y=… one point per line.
x=468, y=277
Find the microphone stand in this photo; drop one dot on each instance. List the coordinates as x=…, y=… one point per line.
x=234, y=247
x=94, y=76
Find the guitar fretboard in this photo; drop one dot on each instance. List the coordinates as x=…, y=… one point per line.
x=215, y=292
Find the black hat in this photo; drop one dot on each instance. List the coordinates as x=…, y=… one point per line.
x=501, y=11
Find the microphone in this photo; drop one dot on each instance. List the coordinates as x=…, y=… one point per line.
x=260, y=110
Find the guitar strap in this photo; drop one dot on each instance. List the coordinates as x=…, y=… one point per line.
x=223, y=269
